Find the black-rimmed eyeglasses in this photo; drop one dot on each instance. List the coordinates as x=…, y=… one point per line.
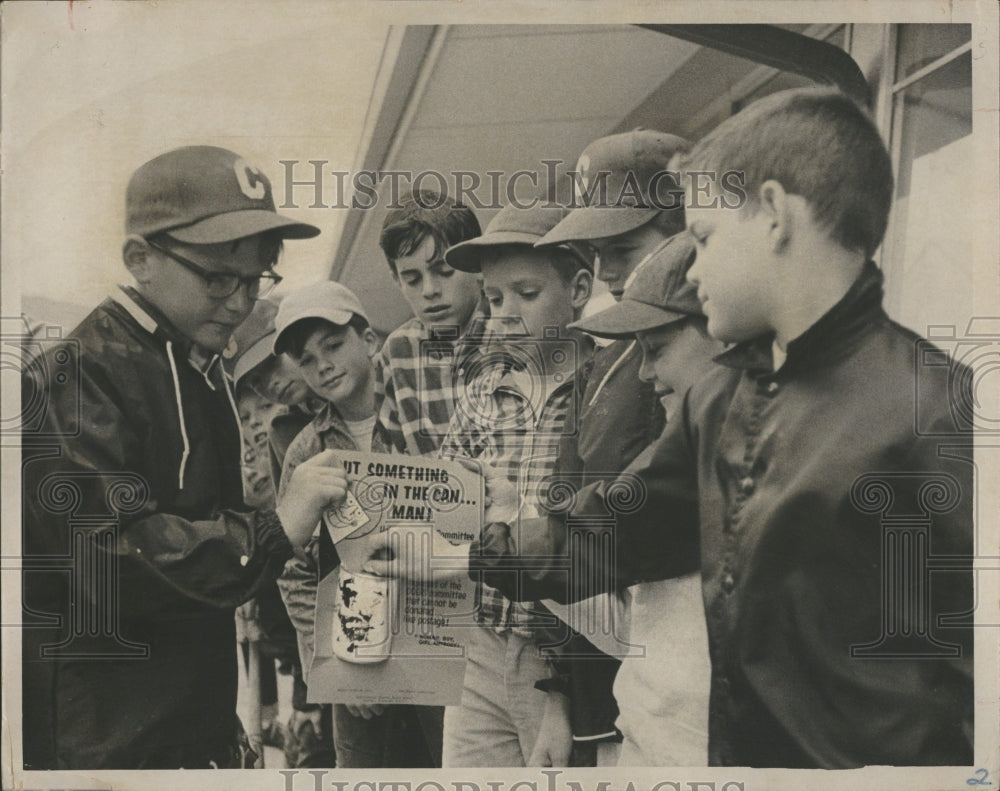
x=221, y=285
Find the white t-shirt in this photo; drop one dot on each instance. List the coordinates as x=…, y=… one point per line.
x=361, y=432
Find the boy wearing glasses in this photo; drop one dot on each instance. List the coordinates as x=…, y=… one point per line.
x=131, y=664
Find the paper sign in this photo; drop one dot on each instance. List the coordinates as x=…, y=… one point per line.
x=345, y=518
x=430, y=510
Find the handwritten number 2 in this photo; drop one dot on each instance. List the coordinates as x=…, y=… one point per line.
x=979, y=779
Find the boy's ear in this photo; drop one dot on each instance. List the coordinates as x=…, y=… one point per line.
x=370, y=340
x=776, y=208
x=581, y=285
x=135, y=254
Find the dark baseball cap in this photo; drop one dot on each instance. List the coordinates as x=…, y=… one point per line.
x=659, y=294
x=204, y=195
x=251, y=342
x=626, y=178
x=513, y=224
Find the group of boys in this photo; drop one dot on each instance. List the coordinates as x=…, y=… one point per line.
x=743, y=562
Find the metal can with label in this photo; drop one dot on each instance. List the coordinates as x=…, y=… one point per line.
x=361, y=619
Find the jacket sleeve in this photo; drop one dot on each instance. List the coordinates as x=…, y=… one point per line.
x=641, y=527
x=299, y=580
x=298, y=585
x=81, y=477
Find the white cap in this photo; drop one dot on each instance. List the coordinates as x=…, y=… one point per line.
x=324, y=300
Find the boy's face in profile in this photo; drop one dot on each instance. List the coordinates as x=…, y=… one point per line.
x=618, y=256
x=520, y=282
x=436, y=293
x=336, y=363
x=674, y=357
x=733, y=268
x=278, y=379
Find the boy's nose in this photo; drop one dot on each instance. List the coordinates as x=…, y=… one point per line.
x=431, y=287
x=240, y=301
x=646, y=369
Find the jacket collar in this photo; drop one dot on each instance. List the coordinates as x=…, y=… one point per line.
x=329, y=418
x=152, y=320
x=832, y=336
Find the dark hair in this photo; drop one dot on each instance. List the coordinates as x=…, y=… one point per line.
x=818, y=144
x=295, y=337
x=424, y=214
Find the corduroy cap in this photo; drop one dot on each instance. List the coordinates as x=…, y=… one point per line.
x=622, y=182
x=511, y=225
x=660, y=294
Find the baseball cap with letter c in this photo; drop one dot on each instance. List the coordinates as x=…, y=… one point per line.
x=205, y=195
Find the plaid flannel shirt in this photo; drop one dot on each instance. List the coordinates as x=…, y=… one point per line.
x=497, y=423
x=418, y=375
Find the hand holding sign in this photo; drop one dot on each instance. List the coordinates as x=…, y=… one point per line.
x=313, y=487
x=391, y=555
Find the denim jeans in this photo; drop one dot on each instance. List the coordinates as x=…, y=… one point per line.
x=500, y=713
x=400, y=737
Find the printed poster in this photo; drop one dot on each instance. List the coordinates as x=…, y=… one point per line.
x=386, y=641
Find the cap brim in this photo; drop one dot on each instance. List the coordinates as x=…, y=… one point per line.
x=465, y=256
x=597, y=222
x=251, y=358
x=339, y=317
x=626, y=318
x=238, y=224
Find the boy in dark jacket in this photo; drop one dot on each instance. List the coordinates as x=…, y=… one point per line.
x=134, y=468
x=631, y=216
x=798, y=474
